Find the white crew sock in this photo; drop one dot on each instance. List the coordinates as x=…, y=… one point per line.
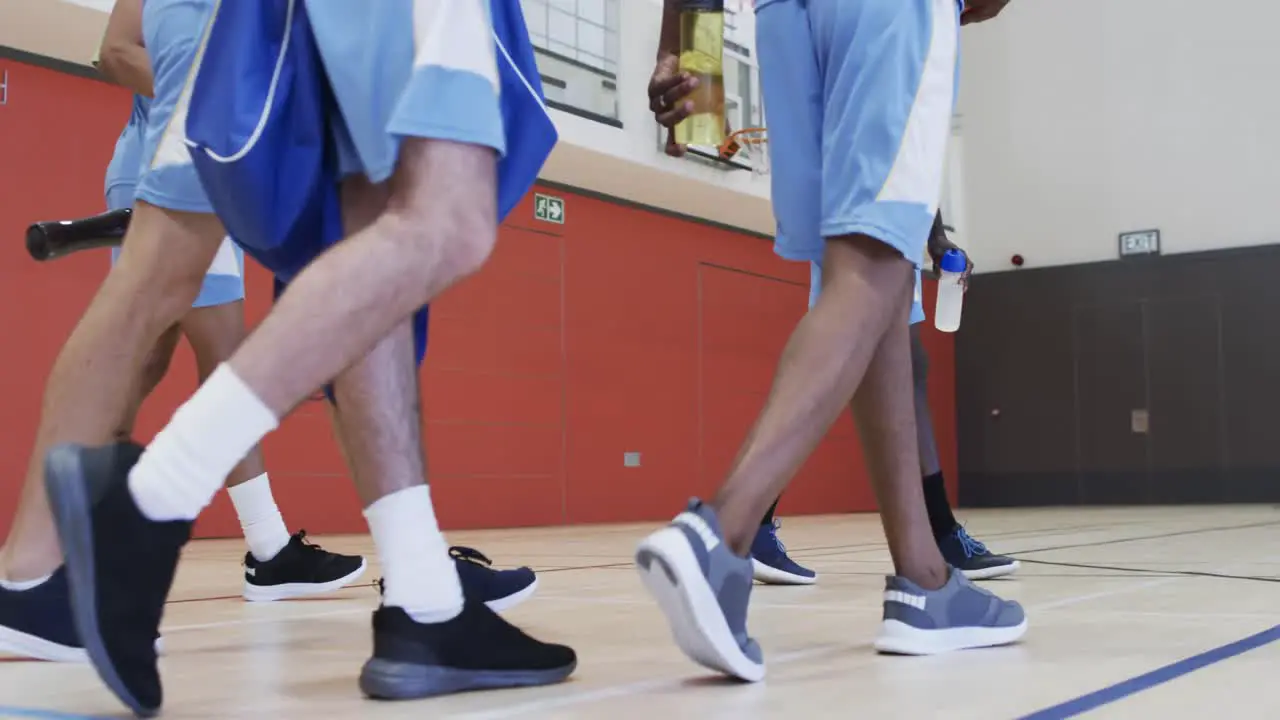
x=418, y=574
x=185, y=465
x=23, y=585
x=264, y=529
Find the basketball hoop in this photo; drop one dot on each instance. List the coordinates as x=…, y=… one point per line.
x=752, y=144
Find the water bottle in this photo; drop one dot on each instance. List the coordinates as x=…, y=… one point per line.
x=946, y=315
x=702, y=56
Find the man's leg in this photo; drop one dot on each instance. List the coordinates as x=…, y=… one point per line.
x=959, y=549
x=838, y=175
x=278, y=566
x=439, y=225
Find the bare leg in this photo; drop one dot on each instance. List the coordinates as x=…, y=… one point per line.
x=866, y=291
x=215, y=333
x=437, y=229
x=378, y=417
x=929, y=462
x=159, y=273
x=883, y=410
x=153, y=371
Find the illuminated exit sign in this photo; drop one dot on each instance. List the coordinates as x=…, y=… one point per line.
x=1140, y=242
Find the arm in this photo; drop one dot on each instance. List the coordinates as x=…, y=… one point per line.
x=669, y=39
x=122, y=59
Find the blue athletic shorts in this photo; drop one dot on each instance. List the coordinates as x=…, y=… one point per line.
x=172, y=30
x=858, y=98
x=917, y=297
x=225, y=281
x=419, y=68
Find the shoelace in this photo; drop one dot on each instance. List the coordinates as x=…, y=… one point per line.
x=777, y=525
x=457, y=552
x=971, y=546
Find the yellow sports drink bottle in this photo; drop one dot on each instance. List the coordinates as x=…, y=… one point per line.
x=702, y=56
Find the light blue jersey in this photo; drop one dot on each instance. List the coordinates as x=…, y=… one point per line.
x=858, y=98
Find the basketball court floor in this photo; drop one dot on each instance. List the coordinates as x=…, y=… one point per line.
x=1135, y=613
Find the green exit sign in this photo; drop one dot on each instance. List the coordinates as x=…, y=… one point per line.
x=548, y=208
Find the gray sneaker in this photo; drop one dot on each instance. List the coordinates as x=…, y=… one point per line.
x=703, y=589
x=957, y=616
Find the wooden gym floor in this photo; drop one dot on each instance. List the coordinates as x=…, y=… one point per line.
x=1122, y=626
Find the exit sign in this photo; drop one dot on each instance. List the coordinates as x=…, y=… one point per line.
x=1140, y=242
x=548, y=208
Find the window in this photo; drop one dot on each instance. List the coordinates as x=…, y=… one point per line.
x=577, y=46
x=581, y=30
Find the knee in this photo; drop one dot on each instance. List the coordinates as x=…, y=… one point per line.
x=457, y=240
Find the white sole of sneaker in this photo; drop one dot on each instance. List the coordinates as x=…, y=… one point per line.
x=514, y=599
x=289, y=591
x=31, y=647
x=673, y=576
x=993, y=572
x=899, y=638
x=773, y=576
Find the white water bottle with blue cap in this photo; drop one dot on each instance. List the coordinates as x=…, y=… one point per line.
x=946, y=314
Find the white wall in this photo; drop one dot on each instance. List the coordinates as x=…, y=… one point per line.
x=1089, y=118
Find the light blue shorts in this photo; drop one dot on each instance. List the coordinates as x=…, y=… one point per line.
x=917, y=297
x=225, y=281
x=418, y=68
x=172, y=30
x=858, y=97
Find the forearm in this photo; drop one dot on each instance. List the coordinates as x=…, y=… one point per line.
x=669, y=40
x=127, y=65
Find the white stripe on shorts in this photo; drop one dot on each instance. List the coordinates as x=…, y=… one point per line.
x=916, y=176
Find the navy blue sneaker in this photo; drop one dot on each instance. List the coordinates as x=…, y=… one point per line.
x=770, y=563
x=37, y=623
x=499, y=589
x=965, y=553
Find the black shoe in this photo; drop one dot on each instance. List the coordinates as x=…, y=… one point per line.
x=499, y=589
x=119, y=564
x=37, y=624
x=477, y=650
x=972, y=558
x=300, y=569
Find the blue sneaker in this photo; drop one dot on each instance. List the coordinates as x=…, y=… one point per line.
x=499, y=589
x=37, y=623
x=957, y=616
x=703, y=589
x=963, y=552
x=770, y=563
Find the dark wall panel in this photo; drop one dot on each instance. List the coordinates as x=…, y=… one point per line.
x=1052, y=364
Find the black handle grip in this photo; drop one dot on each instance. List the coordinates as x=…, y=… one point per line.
x=57, y=238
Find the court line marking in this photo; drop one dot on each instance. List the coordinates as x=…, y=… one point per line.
x=19, y=712
x=610, y=692
x=1161, y=675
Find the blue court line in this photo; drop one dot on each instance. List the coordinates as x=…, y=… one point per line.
x=34, y=714
x=1159, y=676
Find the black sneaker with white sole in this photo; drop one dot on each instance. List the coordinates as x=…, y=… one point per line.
x=301, y=569
x=119, y=563
x=476, y=650
x=968, y=555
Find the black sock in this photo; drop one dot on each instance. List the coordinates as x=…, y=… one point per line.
x=935, y=500
x=768, y=516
